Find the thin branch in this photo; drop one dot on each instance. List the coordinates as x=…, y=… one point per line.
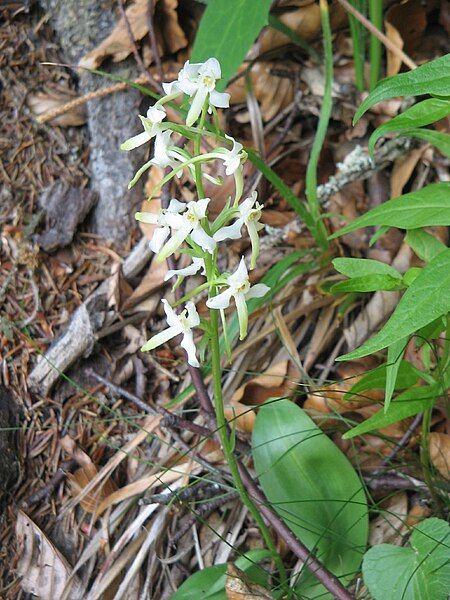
x=378, y=34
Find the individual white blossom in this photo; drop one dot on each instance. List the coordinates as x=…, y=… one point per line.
x=232, y=159
x=152, y=126
x=190, y=224
x=240, y=289
x=163, y=219
x=249, y=214
x=178, y=324
x=165, y=155
x=192, y=269
x=198, y=80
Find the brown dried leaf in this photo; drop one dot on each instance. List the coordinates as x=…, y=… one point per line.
x=402, y=171
x=80, y=479
x=389, y=527
x=118, y=44
x=43, y=569
x=440, y=452
x=394, y=62
x=152, y=281
x=239, y=587
x=42, y=103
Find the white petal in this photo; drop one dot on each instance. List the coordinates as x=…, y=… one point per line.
x=172, y=318
x=161, y=157
x=174, y=220
x=211, y=66
x=200, y=207
x=175, y=206
x=232, y=232
x=232, y=164
x=174, y=243
x=219, y=99
x=188, y=344
x=160, y=338
x=192, y=269
x=220, y=301
x=257, y=291
x=204, y=240
x=239, y=276
x=241, y=307
x=254, y=238
x=193, y=318
x=156, y=114
x=147, y=217
x=246, y=206
x=170, y=88
x=135, y=141
x=159, y=237
x=197, y=104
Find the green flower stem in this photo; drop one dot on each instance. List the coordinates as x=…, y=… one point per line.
x=197, y=151
x=357, y=32
x=376, y=16
x=227, y=446
x=319, y=232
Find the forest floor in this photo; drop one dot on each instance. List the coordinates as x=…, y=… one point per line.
x=95, y=454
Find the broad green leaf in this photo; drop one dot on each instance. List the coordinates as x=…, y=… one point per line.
x=394, y=359
x=313, y=487
x=227, y=30
x=418, y=572
x=430, y=78
x=428, y=206
x=406, y=405
x=375, y=379
x=368, y=283
x=437, y=138
x=358, y=267
x=425, y=245
x=424, y=113
x=209, y=583
x=426, y=299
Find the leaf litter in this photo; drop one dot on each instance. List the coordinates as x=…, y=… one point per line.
x=132, y=504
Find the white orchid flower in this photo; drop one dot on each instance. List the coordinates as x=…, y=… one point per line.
x=165, y=155
x=152, y=126
x=164, y=219
x=178, y=324
x=238, y=288
x=198, y=80
x=249, y=213
x=192, y=269
x=190, y=225
x=232, y=159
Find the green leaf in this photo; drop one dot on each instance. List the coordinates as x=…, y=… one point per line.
x=406, y=405
x=437, y=138
x=358, y=267
x=430, y=78
x=313, y=487
x=426, y=299
x=425, y=245
x=227, y=30
x=209, y=583
x=375, y=379
x=424, y=113
x=277, y=24
x=394, y=359
x=368, y=283
x=428, y=206
x=419, y=572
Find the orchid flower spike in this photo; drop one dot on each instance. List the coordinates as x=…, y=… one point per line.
x=164, y=219
x=198, y=80
x=190, y=225
x=192, y=269
x=239, y=288
x=249, y=214
x=178, y=324
x=152, y=126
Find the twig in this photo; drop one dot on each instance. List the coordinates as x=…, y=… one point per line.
x=153, y=42
x=48, y=488
x=137, y=57
x=403, y=441
x=378, y=34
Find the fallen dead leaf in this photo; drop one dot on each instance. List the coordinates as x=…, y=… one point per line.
x=80, y=479
x=406, y=33
x=239, y=587
x=44, y=570
x=394, y=62
x=390, y=527
x=44, y=102
x=403, y=169
x=152, y=281
x=440, y=452
x=118, y=45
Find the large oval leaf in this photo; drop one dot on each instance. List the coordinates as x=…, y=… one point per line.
x=313, y=487
x=428, y=206
x=439, y=139
x=431, y=78
x=426, y=299
x=418, y=572
x=424, y=113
